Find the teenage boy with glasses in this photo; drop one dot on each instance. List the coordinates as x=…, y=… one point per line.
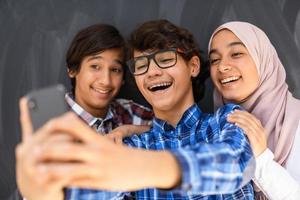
x=190, y=154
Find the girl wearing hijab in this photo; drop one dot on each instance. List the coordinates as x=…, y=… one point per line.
x=246, y=70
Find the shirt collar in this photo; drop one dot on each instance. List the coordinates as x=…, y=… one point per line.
x=188, y=119
x=87, y=117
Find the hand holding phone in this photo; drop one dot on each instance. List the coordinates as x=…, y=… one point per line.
x=46, y=103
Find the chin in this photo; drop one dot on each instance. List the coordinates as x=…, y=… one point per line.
x=163, y=106
x=101, y=105
x=233, y=100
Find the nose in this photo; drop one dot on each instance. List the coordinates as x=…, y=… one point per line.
x=104, y=77
x=153, y=69
x=224, y=68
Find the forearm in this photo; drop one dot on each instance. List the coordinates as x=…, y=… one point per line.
x=159, y=169
x=281, y=186
x=47, y=197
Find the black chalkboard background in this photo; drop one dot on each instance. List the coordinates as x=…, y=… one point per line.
x=34, y=36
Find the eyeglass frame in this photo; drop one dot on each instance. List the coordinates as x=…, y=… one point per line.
x=152, y=57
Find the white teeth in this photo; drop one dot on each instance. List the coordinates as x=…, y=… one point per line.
x=159, y=85
x=233, y=78
x=101, y=91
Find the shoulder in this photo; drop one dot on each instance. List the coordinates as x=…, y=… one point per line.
x=130, y=105
x=220, y=115
x=140, y=114
x=226, y=109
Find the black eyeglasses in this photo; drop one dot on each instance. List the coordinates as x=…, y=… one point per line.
x=163, y=58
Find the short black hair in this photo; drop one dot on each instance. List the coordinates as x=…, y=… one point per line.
x=90, y=41
x=162, y=34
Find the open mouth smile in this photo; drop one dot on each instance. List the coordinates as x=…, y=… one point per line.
x=159, y=86
x=230, y=79
x=101, y=91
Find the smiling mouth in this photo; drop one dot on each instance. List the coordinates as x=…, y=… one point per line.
x=230, y=79
x=159, y=86
x=101, y=91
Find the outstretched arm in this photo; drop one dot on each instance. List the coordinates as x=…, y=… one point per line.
x=195, y=169
x=52, y=161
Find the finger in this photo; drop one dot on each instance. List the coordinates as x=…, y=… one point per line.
x=59, y=137
x=25, y=119
x=247, y=119
x=243, y=118
x=85, y=183
x=249, y=116
x=66, y=152
x=94, y=183
x=114, y=138
x=119, y=141
x=250, y=128
x=110, y=136
x=70, y=124
x=67, y=171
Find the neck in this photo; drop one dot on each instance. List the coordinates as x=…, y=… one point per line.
x=173, y=115
x=95, y=112
x=99, y=113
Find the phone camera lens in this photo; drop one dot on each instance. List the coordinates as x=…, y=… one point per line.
x=32, y=104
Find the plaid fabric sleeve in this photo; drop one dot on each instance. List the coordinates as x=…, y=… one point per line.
x=77, y=193
x=222, y=165
x=140, y=114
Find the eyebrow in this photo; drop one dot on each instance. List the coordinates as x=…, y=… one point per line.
x=100, y=57
x=229, y=45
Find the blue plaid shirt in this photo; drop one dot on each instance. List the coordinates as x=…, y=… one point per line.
x=215, y=157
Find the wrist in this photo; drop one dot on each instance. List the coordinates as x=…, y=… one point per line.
x=172, y=171
x=165, y=170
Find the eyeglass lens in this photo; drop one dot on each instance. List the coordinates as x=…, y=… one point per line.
x=163, y=59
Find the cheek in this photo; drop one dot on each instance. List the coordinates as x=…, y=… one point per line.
x=79, y=79
x=118, y=82
x=253, y=77
x=254, y=83
x=139, y=83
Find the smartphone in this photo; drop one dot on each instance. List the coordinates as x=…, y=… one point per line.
x=46, y=103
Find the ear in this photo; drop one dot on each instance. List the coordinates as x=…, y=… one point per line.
x=194, y=63
x=72, y=73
